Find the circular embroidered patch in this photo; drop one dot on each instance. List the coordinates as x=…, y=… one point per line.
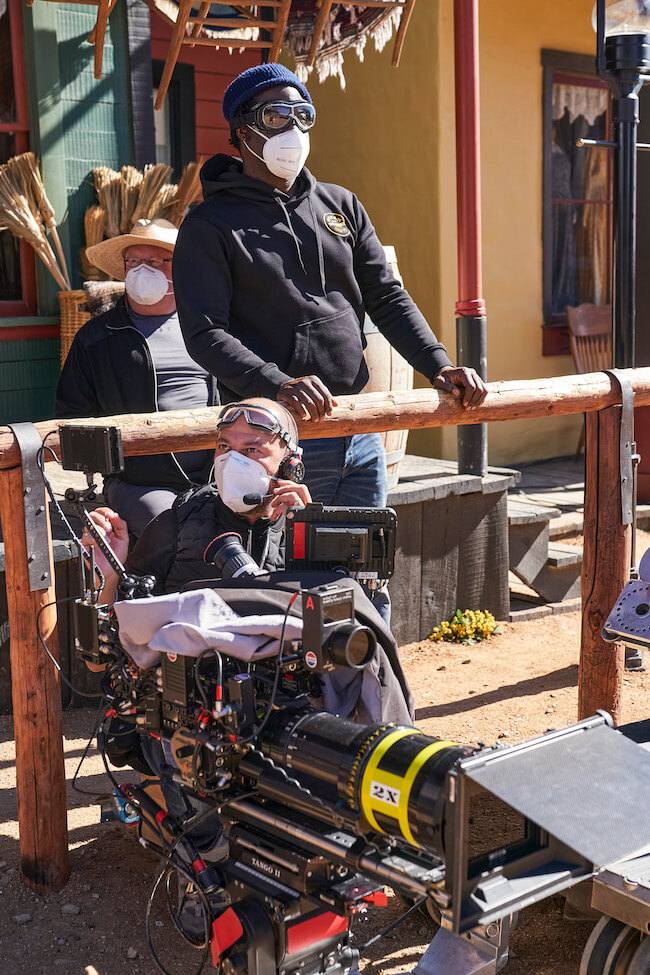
x=336, y=224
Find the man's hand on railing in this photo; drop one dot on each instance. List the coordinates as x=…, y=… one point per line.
x=462, y=381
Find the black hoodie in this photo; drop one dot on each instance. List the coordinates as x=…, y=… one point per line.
x=271, y=286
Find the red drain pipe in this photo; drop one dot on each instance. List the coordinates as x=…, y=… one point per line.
x=471, y=326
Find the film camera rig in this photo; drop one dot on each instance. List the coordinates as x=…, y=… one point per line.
x=321, y=813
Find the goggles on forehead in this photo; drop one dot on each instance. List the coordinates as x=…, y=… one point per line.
x=260, y=419
x=277, y=116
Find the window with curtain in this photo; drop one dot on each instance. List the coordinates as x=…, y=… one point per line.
x=577, y=195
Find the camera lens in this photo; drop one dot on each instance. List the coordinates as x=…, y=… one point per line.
x=350, y=645
x=231, y=560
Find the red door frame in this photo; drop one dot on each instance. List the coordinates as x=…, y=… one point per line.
x=20, y=130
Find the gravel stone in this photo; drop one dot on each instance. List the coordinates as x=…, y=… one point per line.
x=70, y=909
x=22, y=918
x=132, y=953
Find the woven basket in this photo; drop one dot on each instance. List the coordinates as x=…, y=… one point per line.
x=74, y=314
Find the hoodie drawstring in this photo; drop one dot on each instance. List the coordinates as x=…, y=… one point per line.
x=319, y=245
x=293, y=233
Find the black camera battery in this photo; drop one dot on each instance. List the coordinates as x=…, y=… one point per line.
x=178, y=690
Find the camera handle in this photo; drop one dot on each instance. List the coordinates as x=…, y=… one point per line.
x=129, y=586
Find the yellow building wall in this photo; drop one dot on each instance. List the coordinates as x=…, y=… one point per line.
x=390, y=137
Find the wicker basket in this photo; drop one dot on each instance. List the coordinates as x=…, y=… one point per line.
x=74, y=314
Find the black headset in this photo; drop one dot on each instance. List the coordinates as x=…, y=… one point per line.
x=292, y=467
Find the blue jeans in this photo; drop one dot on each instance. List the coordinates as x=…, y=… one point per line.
x=351, y=472
x=348, y=471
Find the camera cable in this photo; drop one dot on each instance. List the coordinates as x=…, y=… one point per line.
x=59, y=510
x=84, y=792
x=174, y=862
x=382, y=934
x=55, y=602
x=278, y=670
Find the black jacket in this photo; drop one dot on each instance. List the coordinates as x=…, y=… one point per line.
x=172, y=546
x=271, y=286
x=109, y=371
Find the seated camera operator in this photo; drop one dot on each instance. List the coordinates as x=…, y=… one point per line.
x=256, y=447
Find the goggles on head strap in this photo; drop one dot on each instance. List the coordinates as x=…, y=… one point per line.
x=259, y=418
x=276, y=116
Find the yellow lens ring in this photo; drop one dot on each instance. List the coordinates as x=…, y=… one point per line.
x=387, y=793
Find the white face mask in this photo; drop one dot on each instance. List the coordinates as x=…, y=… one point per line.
x=237, y=476
x=285, y=153
x=147, y=285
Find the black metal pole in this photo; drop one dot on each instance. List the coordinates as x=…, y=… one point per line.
x=471, y=349
x=626, y=117
x=625, y=55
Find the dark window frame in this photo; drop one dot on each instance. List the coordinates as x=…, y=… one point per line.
x=182, y=114
x=555, y=332
x=20, y=130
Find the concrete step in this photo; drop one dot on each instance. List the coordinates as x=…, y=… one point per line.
x=522, y=510
x=571, y=522
x=562, y=555
x=528, y=535
x=523, y=608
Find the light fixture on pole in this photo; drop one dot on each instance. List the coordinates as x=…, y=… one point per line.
x=623, y=60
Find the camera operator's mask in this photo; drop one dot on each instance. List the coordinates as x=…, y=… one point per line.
x=237, y=477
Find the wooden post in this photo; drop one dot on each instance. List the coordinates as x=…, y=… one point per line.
x=605, y=566
x=36, y=695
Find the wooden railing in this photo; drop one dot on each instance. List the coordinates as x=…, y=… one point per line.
x=35, y=688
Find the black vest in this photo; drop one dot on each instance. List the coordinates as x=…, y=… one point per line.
x=201, y=516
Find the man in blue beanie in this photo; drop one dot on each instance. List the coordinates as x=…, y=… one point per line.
x=274, y=274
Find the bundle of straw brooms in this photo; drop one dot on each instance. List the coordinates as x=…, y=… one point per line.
x=28, y=214
x=131, y=195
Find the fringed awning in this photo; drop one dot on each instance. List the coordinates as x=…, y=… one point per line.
x=318, y=33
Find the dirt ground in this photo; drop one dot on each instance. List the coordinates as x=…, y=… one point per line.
x=511, y=688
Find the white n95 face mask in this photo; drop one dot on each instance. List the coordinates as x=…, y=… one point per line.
x=237, y=476
x=284, y=154
x=147, y=285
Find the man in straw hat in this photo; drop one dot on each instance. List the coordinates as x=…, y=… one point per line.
x=132, y=359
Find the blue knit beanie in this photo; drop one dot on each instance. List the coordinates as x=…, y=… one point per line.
x=257, y=79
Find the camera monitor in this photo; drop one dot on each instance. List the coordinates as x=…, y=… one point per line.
x=359, y=540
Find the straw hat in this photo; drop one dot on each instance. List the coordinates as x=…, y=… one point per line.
x=107, y=255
